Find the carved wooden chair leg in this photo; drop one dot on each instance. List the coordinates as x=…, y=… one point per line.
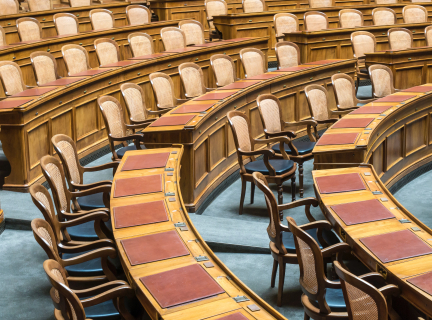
x=300, y=166
x=293, y=187
x=280, y=199
x=282, y=267
x=252, y=192
x=243, y=193
x=273, y=277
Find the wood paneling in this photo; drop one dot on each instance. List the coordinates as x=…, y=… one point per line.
x=394, y=147
x=416, y=135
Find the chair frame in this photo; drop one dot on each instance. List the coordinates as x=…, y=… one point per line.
x=222, y=56
x=100, y=10
x=3, y=34
x=65, y=14
x=356, y=101
x=276, y=16
x=425, y=32
x=383, y=9
x=333, y=4
x=176, y=101
x=19, y=20
x=350, y=10
x=285, y=43
x=182, y=22
x=3, y=63
x=262, y=1
x=380, y=66
x=214, y=34
x=137, y=6
x=264, y=60
x=308, y=13
x=102, y=40
x=391, y=30
x=172, y=29
x=74, y=46
x=197, y=67
x=359, y=74
x=413, y=6
x=47, y=54
x=139, y=34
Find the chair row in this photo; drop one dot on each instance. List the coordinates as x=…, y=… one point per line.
x=13, y=6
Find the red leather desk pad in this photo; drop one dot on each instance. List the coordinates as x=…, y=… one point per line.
x=34, y=92
x=172, y=121
x=234, y=316
x=338, y=138
x=187, y=49
x=362, y=211
x=13, y=103
x=340, y=183
x=371, y=110
x=353, y=123
x=90, y=72
x=146, y=161
x=122, y=63
x=292, y=69
x=423, y=282
x=264, y=76
x=150, y=56
x=139, y=214
x=396, y=98
x=137, y=185
x=239, y=85
x=182, y=285
x=325, y=61
x=62, y=82
x=214, y=96
x=419, y=89
x=397, y=245
x=154, y=247
x=193, y=108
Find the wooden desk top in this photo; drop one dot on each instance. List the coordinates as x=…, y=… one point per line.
x=198, y=252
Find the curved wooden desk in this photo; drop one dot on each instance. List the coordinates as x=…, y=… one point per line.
x=143, y=251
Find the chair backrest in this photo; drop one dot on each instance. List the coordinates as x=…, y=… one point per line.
x=321, y=3
x=250, y=6
x=344, y=89
x=270, y=112
x=215, y=8
x=163, y=89
x=192, y=78
x=137, y=15
x=350, y=18
x=383, y=17
x=141, y=44
x=112, y=113
x=400, y=38
x=107, y=51
x=193, y=30
x=413, y=1
x=253, y=61
x=11, y=78
x=316, y=97
x=133, y=95
x=39, y=5
x=79, y=3
x=287, y=54
x=45, y=67
x=363, y=300
x=101, y=19
x=315, y=21
x=44, y=235
x=223, y=69
x=66, y=149
x=428, y=35
x=76, y=58
x=240, y=126
x=2, y=37
x=382, y=80
x=9, y=7
x=285, y=23
x=386, y=1
x=29, y=29
x=173, y=38
x=414, y=14
x=362, y=42
x=66, y=23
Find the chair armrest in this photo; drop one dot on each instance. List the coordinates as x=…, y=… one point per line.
x=371, y=276
x=210, y=89
x=288, y=133
x=308, y=122
x=307, y=202
x=109, y=165
x=332, y=284
x=327, y=121
x=366, y=100
x=339, y=112
x=141, y=125
x=321, y=224
x=91, y=185
x=98, y=253
x=99, y=189
x=336, y=248
x=121, y=291
x=268, y=152
x=389, y=289
x=158, y=112
x=94, y=245
x=282, y=140
x=180, y=101
x=99, y=289
x=100, y=215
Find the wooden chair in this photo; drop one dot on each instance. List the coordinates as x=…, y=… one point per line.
x=117, y=129
x=106, y=300
x=163, y=90
x=75, y=58
x=270, y=111
x=133, y=95
x=321, y=3
x=101, y=19
x=29, y=29
x=414, y=14
x=363, y=300
x=253, y=61
x=315, y=21
x=285, y=23
x=383, y=17
x=345, y=92
x=44, y=66
x=2, y=37
x=67, y=151
x=414, y=1
x=141, y=44
x=287, y=54
x=215, y=8
x=80, y=3
x=428, y=35
x=39, y=5
x=9, y=7
x=400, y=38
x=386, y=1
x=322, y=299
x=362, y=42
x=282, y=245
x=107, y=51
x=250, y=6
x=193, y=31
x=11, y=78
x=382, y=80
x=350, y=18
x=192, y=79
x=173, y=38
x=275, y=170
x=224, y=69
x=316, y=97
x=137, y=15
x=66, y=23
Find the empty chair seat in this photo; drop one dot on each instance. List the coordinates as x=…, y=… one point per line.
x=11, y=78
x=101, y=19
x=287, y=54
x=382, y=80
x=400, y=38
x=193, y=31
x=250, y=6
x=285, y=23
x=350, y=18
x=173, y=38
x=66, y=23
x=315, y=21
x=107, y=51
x=414, y=14
x=214, y=8
x=76, y=58
x=383, y=17
x=141, y=44
x=45, y=67
x=192, y=78
x=224, y=69
x=163, y=89
x=137, y=15
x=29, y=29
x=39, y=5
x=253, y=61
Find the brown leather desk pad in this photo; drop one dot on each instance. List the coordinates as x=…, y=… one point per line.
x=353, y=123
x=122, y=63
x=13, y=103
x=371, y=109
x=397, y=245
x=146, y=161
x=239, y=85
x=150, y=56
x=139, y=214
x=234, y=316
x=154, y=247
x=264, y=76
x=172, y=121
x=34, y=92
x=292, y=69
x=193, y=108
x=362, y=212
x=423, y=282
x=338, y=138
x=419, y=89
x=137, y=185
x=340, y=183
x=214, y=96
x=90, y=72
x=182, y=285
x=324, y=61
x=396, y=98
x=62, y=82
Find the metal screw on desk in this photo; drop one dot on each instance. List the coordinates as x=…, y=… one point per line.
x=36, y=113
x=109, y=82
x=85, y=91
x=138, y=73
